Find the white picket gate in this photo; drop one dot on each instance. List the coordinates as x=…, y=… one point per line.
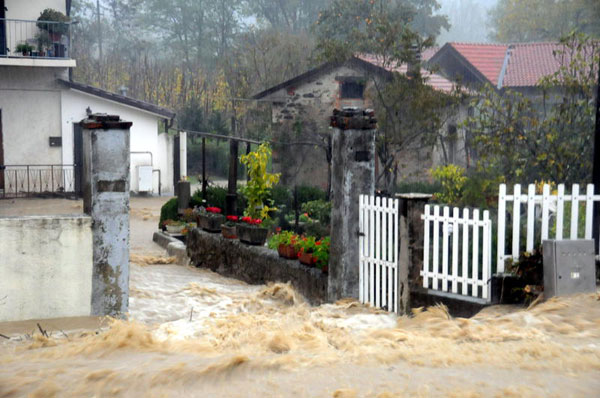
x=552, y=216
x=378, y=247
x=462, y=261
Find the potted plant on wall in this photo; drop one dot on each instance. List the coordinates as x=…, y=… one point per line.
x=257, y=192
x=25, y=49
x=321, y=254
x=307, y=246
x=229, y=228
x=210, y=219
x=44, y=42
x=285, y=243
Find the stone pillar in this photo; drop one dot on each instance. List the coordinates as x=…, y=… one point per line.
x=106, y=200
x=352, y=174
x=182, y=155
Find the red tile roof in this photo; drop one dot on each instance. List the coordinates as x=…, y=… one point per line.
x=529, y=62
x=436, y=81
x=486, y=58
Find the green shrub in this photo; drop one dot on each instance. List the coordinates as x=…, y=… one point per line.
x=452, y=180
x=306, y=193
x=168, y=211
x=319, y=210
x=282, y=196
x=215, y=196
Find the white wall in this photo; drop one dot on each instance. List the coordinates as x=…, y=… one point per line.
x=46, y=267
x=30, y=104
x=31, y=9
x=144, y=133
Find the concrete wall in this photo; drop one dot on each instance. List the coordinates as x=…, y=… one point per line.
x=46, y=267
x=144, y=133
x=31, y=109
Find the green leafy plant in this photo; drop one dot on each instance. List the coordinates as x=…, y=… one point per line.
x=51, y=15
x=321, y=252
x=44, y=41
x=283, y=238
x=24, y=48
x=257, y=190
x=168, y=211
x=452, y=180
x=319, y=210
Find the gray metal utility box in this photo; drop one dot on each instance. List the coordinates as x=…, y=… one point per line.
x=569, y=267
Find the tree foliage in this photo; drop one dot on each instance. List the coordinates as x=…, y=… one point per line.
x=544, y=20
x=550, y=139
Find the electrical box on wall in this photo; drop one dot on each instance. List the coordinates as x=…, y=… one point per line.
x=569, y=267
x=55, y=141
x=144, y=178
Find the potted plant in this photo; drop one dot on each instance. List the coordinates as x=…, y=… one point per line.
x=174, y=226
x=251, y=232
x=44, y=42
x=285, y=243
x=54, y=22
x=321, y=254
x=228, y=229
x=257, y=192
x=210, y=219
x=24, y=49
x=307, y=246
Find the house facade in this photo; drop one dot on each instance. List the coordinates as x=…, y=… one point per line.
x=302, y=106
x=40, y=111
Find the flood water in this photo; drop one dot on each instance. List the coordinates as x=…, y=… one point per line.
x=194, y=333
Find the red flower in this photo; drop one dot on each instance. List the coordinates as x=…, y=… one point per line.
x=213, y=210
x=247, y=220
x=318, y=243
x=278, y=229
x=232, y=218
x=258, y=221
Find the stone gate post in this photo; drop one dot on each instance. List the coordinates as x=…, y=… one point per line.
x=106, y=200
x=352, y=174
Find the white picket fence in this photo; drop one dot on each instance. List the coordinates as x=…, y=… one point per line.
x=378, y=247
x=547, y=211
x=462, y=263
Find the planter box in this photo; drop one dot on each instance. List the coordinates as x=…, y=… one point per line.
x=307, y=259
x=252, y=235
x=287, y=251
x=211, y=223
x=228, y=232
x=175, y=229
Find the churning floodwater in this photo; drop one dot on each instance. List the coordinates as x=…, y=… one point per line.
x=193, y=333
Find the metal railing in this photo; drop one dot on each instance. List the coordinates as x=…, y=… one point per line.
x=18, y=181
x=34, y=39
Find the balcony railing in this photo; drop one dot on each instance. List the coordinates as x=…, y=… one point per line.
x=34, y=39
x=18, y=181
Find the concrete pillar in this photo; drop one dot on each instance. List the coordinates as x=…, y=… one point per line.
x=353, y=174
x=182, y=155
x=106, y=200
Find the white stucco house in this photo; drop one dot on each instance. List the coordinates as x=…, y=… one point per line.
x=40, y=111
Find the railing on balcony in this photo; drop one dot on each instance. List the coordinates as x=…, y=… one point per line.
x=18, y=181
x=34, y=39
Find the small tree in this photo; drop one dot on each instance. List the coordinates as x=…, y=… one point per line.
x=258, y=189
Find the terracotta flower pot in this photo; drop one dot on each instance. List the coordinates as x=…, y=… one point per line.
x=287, y=251
x=325, y=269
x=211, y=223
x=307, y=259
x=252, y=235
x=228, y=232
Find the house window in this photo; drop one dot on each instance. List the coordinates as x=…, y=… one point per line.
x=352, y=89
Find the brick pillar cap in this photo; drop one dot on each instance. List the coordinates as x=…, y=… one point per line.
x=104, y=121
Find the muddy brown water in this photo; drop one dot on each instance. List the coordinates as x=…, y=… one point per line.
x=194, y=333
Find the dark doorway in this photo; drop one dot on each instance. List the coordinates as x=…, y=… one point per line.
x=2, y=29
x=1, y=156
x=78, y=157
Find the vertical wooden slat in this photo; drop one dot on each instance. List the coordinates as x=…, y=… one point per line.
x=383, y=254
x=485, y=264
x=455, y=250
x=501, y=227
x=396, y=249
x=530, y=217
x=426, y=247
x=392, y=269
x=361, y=249
x=436, y=246
x=516, y=222
x=377, y=252
x=371, y=250
x=574, y=211
x=445, y=249
x=475, y=262
x=465, y=252
x=560, y=210
x=545, y=211
x=589, y=210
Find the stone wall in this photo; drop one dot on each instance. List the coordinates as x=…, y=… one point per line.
x=45, y=267
x=254, y=264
